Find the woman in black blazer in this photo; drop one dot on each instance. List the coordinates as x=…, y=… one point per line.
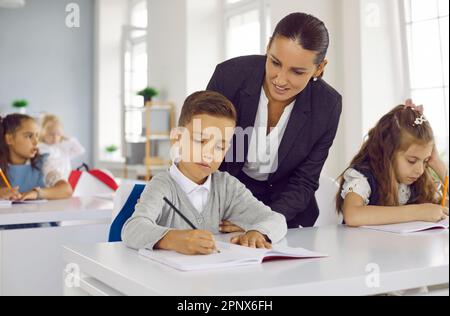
x=288, y=80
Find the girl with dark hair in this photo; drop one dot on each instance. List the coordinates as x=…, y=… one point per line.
x=389, y=181
x=287, y=118
x=26, y=170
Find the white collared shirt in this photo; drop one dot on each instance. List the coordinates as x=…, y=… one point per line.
x=356, y=182
x=262, y=158
x=197, y=194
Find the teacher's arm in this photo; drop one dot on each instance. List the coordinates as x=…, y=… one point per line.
x=305, y=180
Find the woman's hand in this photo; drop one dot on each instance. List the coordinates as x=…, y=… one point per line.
x=10, y=194
x=252, y=239
x=437, y=164
x=432, y=212
x=227, y=227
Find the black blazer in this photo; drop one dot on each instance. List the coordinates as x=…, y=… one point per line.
x=308, y=137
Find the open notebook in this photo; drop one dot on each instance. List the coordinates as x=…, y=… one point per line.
x=230, y=256
x=412, y=227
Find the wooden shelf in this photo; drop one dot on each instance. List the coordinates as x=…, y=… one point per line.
x=150, y=162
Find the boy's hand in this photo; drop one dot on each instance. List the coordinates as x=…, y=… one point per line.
x=10, y=194
x=227, y=227
x=252, y=239
x=432, y=213
x=188, y=242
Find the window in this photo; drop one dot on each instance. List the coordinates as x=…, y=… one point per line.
x=247, y=25
x=139, y=17
x=135, y=68
x=122, y=67
x=428, y=56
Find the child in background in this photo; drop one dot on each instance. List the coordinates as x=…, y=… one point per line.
x=61, y=149
x=389, y=180
x=204, y=195
x=30, y=175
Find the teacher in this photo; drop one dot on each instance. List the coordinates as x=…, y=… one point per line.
x=287, y=117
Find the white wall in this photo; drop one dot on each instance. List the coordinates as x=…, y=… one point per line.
x=49, y=64
x=184, y=45
x=350, y=131
x=383, y=77
x=372, y=69
x=167, y=48
x=111, y=16
x=205, y=42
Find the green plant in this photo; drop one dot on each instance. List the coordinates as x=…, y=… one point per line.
x=111, y=148
x=148, y=93
x=20, y=103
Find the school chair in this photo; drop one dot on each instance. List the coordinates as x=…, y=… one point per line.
x=125, y=200
x=325, y=197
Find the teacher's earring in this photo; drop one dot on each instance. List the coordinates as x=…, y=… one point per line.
x=315, y=79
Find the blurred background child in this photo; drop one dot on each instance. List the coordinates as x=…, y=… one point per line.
x=61, y=149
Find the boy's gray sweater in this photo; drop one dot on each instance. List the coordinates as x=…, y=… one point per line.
x=228, y=199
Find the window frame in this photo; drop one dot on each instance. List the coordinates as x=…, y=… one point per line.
x=242, y=7
x=407, y=62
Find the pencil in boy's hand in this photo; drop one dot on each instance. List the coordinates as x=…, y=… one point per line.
x=5, y=179
x=184, y=218
x=444, y=194
x=179, y=213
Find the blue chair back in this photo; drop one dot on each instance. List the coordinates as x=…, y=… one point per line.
x=115, y=232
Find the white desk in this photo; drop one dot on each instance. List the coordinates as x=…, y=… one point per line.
x=30, y=259
x=404, y=261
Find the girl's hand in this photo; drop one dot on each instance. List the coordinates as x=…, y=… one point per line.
x=227, y=227
x=30, y=195
x=10, y=194
x=437, y=164
x=432, y=212
x=188, y=242
x=252, y=239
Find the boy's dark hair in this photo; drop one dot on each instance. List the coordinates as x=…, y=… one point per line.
x=206, y=102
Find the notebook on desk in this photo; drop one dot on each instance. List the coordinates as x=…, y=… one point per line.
x=42, y=201
x=408, y=228
x=230, y=256
x=5, y=203
x=8, y=203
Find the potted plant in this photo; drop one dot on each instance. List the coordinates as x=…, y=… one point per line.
x=20, y=105
x=110, y=150
x=148, y=94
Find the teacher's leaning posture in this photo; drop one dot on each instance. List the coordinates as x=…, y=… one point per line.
x=283, y=95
